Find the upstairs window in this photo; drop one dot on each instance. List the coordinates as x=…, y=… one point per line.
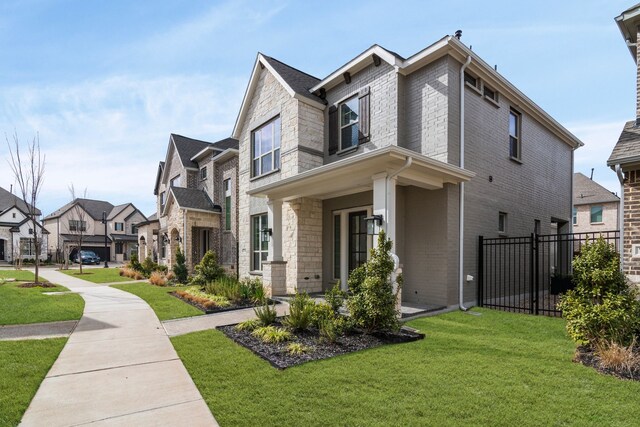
x=203, y=173
x=227, y=204
x=163, y=199
x=175, y=181
x=596, y=214
x=575, y=216
x=490, y=94
x=134, y=229
x=349, y=122
x=119, y=226
x=265, y=148
x=514, y=134
x=75, y=225
x=472, y=81
x=349, y=113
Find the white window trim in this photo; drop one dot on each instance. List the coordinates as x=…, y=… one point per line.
x=272, y=151
x=344, y=242
x=203, y=170
x=173, y=179
x=227, y=193
x=340, y=126
x=601, y=214
x=503, y=232
x=518, y=137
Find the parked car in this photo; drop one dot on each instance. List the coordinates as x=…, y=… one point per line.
x=87, y=257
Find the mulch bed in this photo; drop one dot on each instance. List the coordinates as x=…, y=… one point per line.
x=245, y=304
x=586, y=356
x=36, y=285
x=278, y=356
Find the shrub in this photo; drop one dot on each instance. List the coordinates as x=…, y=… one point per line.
x=335, y=297
x=134, y=263
x=297, y=349
x=271, y=334
x=248, y=325
x=180, y=267
x=252, y=290
x=207, y=270
x=148, y=266
x=266, y=314
x=321, y=312
x=170, y=276
x=602, y=307
x=614, y=356
x=220, y=300
x=225, y=286
x=131, y=273
x=157, y=279
x=331, y=328
x=300, y=312
x=373, y=303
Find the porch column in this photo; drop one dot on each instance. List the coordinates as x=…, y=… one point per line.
x=274, y=214
x=384, y=203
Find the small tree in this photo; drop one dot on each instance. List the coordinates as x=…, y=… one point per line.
x=77, y=226
x=180, y=267
x=208, y=269
x=29, y=174
x=602, y=308
x=373, y=303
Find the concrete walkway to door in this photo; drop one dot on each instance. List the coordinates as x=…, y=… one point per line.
x=117, y=368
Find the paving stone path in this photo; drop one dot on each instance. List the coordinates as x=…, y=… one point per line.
x=118, y=368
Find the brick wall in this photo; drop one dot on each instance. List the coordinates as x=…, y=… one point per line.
x=609, y=218
x=632, y=224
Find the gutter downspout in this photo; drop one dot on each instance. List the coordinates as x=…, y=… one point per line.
x=461, y=207
x=621, y=215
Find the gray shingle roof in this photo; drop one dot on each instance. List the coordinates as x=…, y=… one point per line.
x=299, y=81
x=94, y=208
x=8, y=200
x=116, y=210
x=191, y=198
x=627, y=148
x=588, y=192
x=187, y=148
x=86, y=239
x=225, y=144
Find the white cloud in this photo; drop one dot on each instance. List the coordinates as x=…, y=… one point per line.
x=108, y=135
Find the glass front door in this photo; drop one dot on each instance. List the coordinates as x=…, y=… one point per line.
x=358, y=239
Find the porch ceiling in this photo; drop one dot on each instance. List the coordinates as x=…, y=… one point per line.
x=354, y=174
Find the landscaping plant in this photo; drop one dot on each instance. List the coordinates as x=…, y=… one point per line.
x=297, y=349
x=157, y=279
x=271, y=334
x=335, y=297
x=207, y=270
x=372, y=304
x=266, y=314
x=248, y=325
x=602, y=307
x=225, y=286
x=180, y=267
x=301, y=308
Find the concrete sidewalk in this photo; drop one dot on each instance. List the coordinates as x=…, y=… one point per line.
x=37, y=331
x=118, y=368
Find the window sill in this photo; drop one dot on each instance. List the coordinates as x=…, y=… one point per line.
x=515, y=159
x=255, y=178
x=597, y=223
x=476, y=89
x=255, y=273
x=492, y=101
x=347, y=150
x=502, y=234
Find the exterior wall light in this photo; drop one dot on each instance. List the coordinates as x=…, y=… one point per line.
x=266, y=234
x=373, y=222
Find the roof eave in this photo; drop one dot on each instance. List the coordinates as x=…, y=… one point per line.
x=628, y=36
x=226, y=154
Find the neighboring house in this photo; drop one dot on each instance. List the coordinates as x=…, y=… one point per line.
x=625, y=157
x=594, y=207
x=86, y=216
x=16, y=230
x=196, y=188
x=380, y=138
x=148, y=238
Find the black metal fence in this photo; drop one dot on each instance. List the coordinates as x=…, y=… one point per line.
x=528, y=274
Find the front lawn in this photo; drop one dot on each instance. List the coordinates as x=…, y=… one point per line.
x=30, y=305
x=166, y=306
x=23, y=366
x=494, y=369
x=98, y=275
x=22, y=275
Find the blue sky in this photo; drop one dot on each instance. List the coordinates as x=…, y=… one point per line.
x=105, y=83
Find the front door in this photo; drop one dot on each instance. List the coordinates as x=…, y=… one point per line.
x=2, y=249
x=358, y=239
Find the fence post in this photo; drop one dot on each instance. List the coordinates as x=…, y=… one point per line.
x=531, y=272
x=480, y=271
x=537, y=273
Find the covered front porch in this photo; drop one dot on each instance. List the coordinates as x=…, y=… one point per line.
x=322, y=223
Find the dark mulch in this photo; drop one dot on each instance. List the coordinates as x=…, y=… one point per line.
x=240, y=306
x=588, y=357
x=36, y=285
x=279, y=357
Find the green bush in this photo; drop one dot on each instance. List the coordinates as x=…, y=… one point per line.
x=321, y=312
x=148, y=266
x=225, y=286
x=271, y=334
x=335, y=297
x=301, y=309
x=372, y=304
x=266, y=314
x=207, y=270
x=252, y=290
x=134, y=264
x=332, y=328
x=180, y=267
x=602, y=307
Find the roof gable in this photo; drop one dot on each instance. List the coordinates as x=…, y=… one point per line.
x=9, y=200
x=93, y=208
x=587, y=192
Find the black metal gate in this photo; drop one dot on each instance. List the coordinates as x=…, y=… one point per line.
x=528, y=274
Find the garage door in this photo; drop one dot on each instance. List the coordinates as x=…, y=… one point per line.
x=99, y=250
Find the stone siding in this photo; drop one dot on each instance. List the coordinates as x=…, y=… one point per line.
x=632, y=224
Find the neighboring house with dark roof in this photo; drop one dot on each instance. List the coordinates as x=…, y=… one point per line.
x=86, y=216
x=625, y=157
x=594, y=207
x=16, y=232
x=148, y=238
x=377, y=144
x=196, y=189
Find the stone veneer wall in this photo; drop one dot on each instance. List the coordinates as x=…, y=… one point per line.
x=632, y=224
x=227, y=250
x=199, y=220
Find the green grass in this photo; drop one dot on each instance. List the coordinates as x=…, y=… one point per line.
x=30, y=305
x=23, y=366
x=498, y=369
x=166, y=306
x=98, y=275
x=25, y=276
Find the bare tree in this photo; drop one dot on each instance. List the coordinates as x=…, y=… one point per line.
x=29, y=174
x=77, y=226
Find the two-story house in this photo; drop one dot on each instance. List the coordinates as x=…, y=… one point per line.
x=436, y=149
x=86, y=217
x=16, y=230
x=594, y=207
x=196, y=188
